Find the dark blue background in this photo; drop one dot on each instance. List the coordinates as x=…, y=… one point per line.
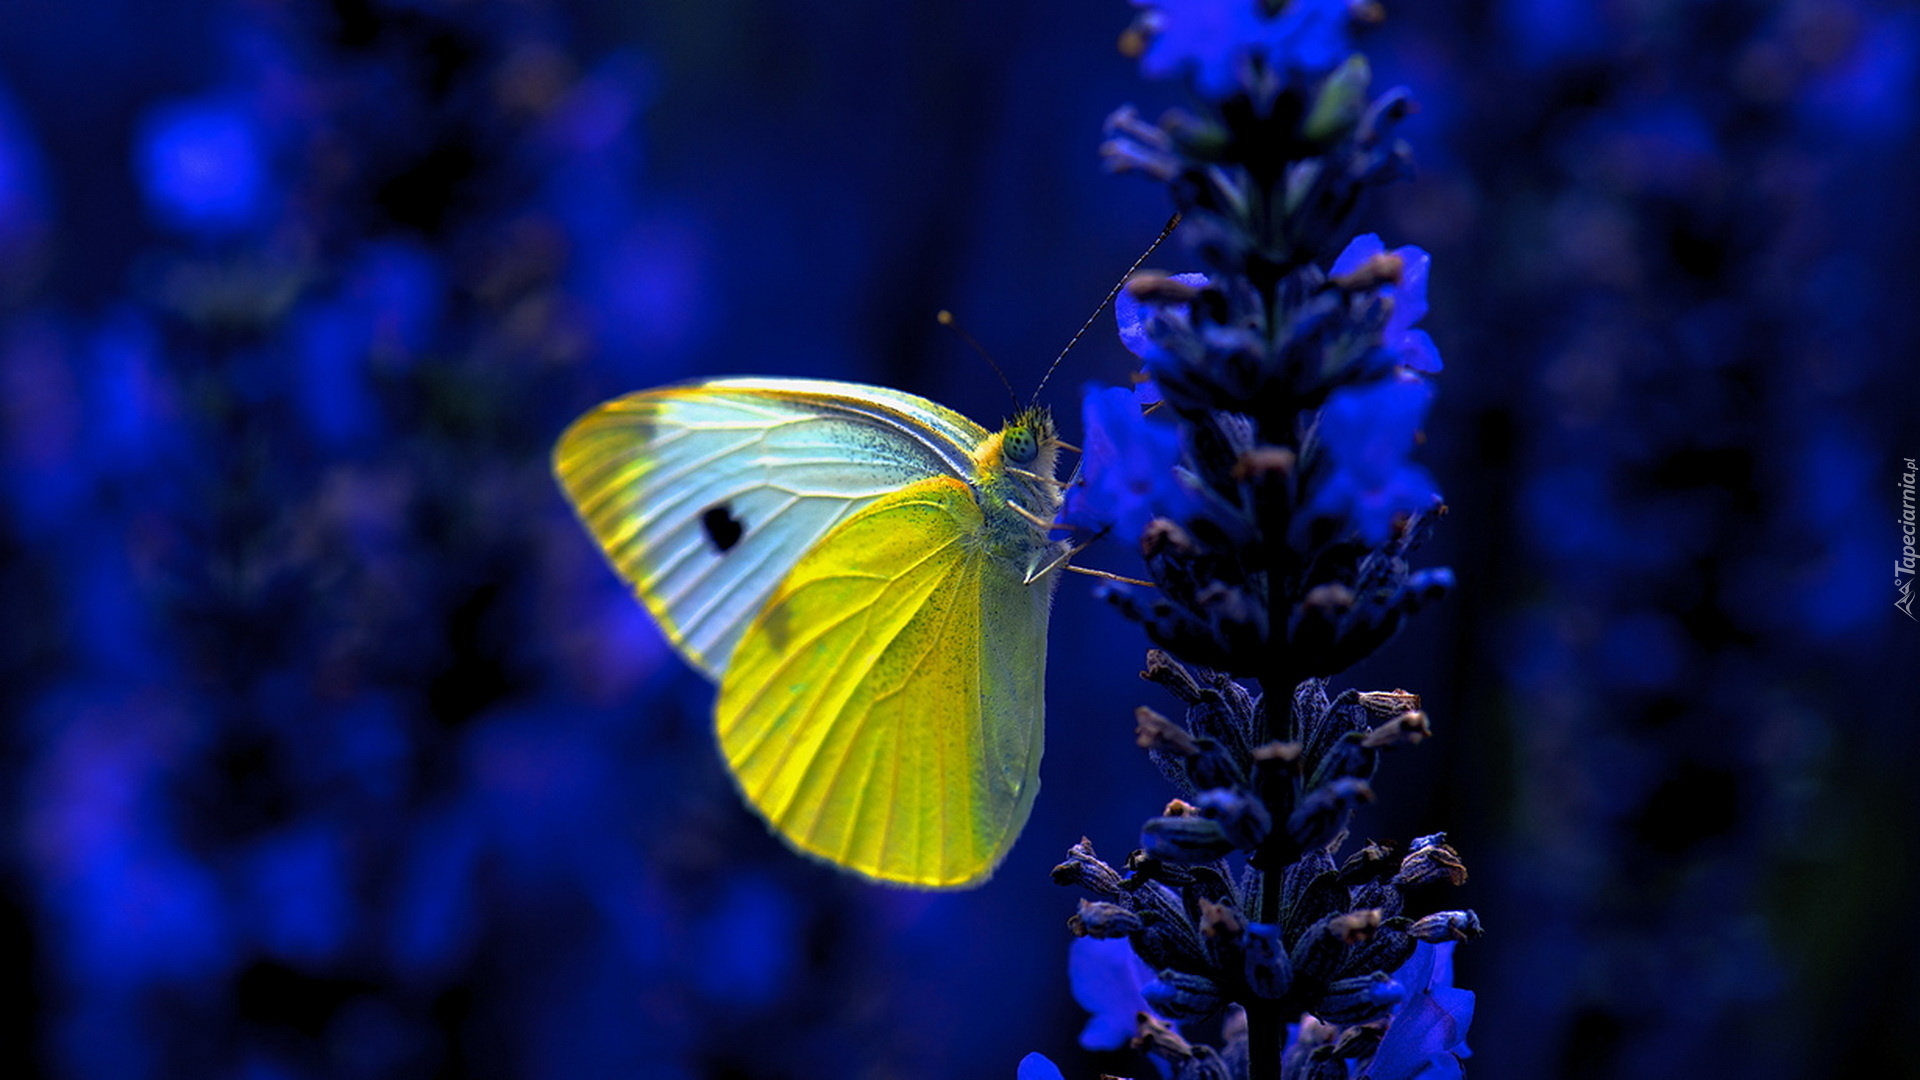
x=333, y=749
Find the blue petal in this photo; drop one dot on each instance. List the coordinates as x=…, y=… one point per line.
x=1127, y=469
x=1366, y=432
x=1413, y=347
x=1427, y=1036
x=1139, y=322
x=1107, y=979
x=1410, y=295
x=1037, y=1066
x=1211, y=39
x=1311, y=37
x=1418, y=353
x=1358, y=251
x=1201, y=34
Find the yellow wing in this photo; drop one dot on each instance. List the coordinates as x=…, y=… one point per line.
x=883, y=711
x=703, y=495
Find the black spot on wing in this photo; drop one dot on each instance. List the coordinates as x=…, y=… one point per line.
x=722, y=528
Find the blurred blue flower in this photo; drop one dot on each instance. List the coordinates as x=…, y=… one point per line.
x=1428, y=1034
x=22, y=180
x=748, y=943
x=296, y=890
x=330, y=377
x=1408, y=298
x=1037, y=1066
x=202, y=165
x=1365, y=480
x=400, y=290
x=1541, y=32
x=1107, y=981
x=1127, y=472
x=431, y=916
x=1868, y=90
x=1643, y=650
x=1213, y=39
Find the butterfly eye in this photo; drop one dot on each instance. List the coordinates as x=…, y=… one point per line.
x=1021, y=447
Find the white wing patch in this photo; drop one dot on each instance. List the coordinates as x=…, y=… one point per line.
x=704, y=496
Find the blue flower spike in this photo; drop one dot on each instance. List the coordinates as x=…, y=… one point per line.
x=1290, y=375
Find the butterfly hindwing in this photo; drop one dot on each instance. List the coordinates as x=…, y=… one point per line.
x=704, y=495
x=870, y=712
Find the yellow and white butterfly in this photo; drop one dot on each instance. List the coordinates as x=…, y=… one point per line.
x=867, y=576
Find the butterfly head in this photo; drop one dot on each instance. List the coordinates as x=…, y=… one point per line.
x=1020, y=444
x=1016, y=464
x=1029, y=441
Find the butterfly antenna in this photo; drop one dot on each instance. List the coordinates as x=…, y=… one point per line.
x=945, y=318
x=1165, y=232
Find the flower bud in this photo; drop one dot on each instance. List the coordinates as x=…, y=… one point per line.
x=1220, y=920
x=1446, y=926
x=1264, y=463
x=1214, y=767
x=1144, y=866
x=1156, y=1036
x=1084, y=868
x=1307, y=1055
x=1322, y=948
x=1356, y=1001
x=1431, y=861
x=1373, y=861
x=1243, y=818
x=1355, y=926
x=1152, y=731
x=1101, y=919
x=1384, y=268
x=1347, y=756
x=1164, y=538
x=1268, y=970
x=1323, y=813
x=1356, y=1042
x=1154, y=287
x=1285, y=754
x=1341, y=103
x=1379, y=893
x=1386, y=951
x=1167, y=938
x=1310, y=890
x=1184, y=839
x=1387, y=704
x=1407, y=729
x=1172, y=676
x=1182, y=995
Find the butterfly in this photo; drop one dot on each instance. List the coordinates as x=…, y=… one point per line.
x=867, y=576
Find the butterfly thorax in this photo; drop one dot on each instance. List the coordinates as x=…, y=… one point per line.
x=1019, y=495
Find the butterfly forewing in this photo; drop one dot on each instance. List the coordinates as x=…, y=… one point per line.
x=883, y=712
x=704, y=495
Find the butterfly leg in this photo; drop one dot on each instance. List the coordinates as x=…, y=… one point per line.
x=1111, y=577
x=1036, y=520
x=1036, y=477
